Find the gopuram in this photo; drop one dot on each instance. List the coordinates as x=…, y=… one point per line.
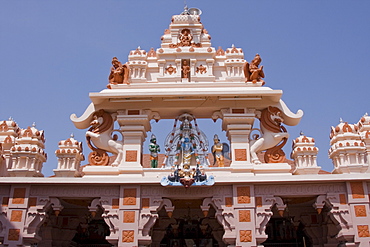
x=191, y=190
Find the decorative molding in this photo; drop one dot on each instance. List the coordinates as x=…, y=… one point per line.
x=363, y=231
x=128, y=236
x=244, y=195
x=245, y=235
x=360, y=210
x=74, y=191
x=128, y=216
x=313, y=189
x=244, y=216
x=357, y=190
x=129, y=196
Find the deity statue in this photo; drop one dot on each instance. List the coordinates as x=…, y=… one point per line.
x=187, y=151
x=154, y=149
x=185, y=69
x=219, y=150
x=185, y=38
x=252, y=72
x=119, y=72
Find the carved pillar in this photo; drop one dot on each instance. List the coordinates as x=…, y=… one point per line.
x=133, y=124
x=340, y=214
x=237, y=122
x=264, y=205
x=148, y=217
x=224, y=215
x=210, y=63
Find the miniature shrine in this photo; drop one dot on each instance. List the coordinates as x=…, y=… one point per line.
x=191, y=190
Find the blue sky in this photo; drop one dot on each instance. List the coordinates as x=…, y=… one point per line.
x=53, y=53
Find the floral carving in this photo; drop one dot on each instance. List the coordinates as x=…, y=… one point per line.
x=170, y=70
x=201, y=69
x=131, y=156
x=360, y=211
x=245, y=235
x=128, y=236
x=243, y=194
x=129, y=197
x=220, y=52
x=129, y=216
x=363, y=231
x=13, y=234
x=244, y=216
x=357, y=190
x=16, y=216
x=240, y=154
x=145, y=203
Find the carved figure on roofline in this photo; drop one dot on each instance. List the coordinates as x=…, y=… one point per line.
x=154, y=149
x=219, y=151
x=100, y=134
x=185, y=38
x=119, y=72
x=252, y=72
x=274, y=137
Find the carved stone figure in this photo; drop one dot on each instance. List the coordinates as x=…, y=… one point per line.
x=100, y=134
x=252, y=72
x=154, y=149
x=119, y=72
x=185, y=69
x=185, y=38
x=272, y=134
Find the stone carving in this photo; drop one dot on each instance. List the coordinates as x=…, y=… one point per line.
x=274, y=137
x=118, y=73
x=185, y=38
x=171, y=70
x=264, y=213
x=185, y=69
x=252, y=72
x=201, y=69
x=224, y=215
x=100, y=134
x=340, y=215
x=148, y=217
x=110, y=215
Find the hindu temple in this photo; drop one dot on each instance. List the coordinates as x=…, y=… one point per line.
x=193, y=189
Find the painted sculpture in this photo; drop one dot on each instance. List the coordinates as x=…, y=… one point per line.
x=219, y=151
x=154, y=149
x=100, y=134
x=274, y=137
x=119, y=72
x=253, y=72
x=186, y=154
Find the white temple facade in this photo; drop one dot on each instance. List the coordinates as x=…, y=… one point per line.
x=191, y=190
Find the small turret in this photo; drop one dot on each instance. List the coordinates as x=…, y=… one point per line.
x=8, y=132
x=304, y=154
x=69, y=158
x=347, y=149
x=28, y=153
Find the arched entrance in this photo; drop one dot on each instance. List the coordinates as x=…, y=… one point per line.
x=187, y=226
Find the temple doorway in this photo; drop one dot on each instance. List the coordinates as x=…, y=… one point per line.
x=187, y=226
x=301, y=225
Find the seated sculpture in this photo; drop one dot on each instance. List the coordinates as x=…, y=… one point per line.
x=119, y=72
x=252, y=72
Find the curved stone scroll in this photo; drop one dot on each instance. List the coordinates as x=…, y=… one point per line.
x=264, y=213
x=339, y=214
x=148, y=217
x=36, y=215
x=224, y=216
